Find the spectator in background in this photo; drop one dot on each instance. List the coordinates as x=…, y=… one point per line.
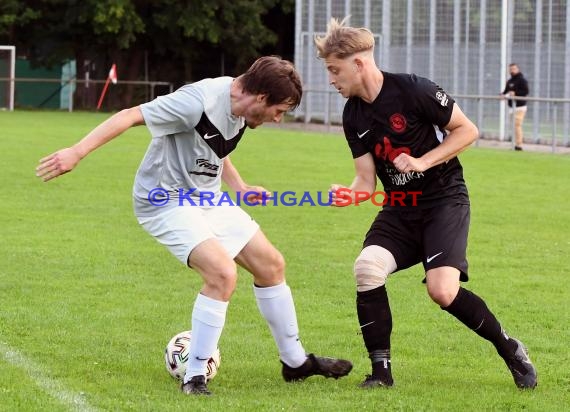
x=517, y=86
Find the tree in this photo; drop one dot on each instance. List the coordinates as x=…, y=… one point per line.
x=13, y=14
x=195, y=28
x=182, y=39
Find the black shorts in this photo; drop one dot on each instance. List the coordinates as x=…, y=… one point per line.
x=436, y=236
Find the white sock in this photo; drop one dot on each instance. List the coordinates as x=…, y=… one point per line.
x=208, y=318
x=276, y=305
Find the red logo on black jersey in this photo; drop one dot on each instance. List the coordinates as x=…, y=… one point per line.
x=387, y=152
x=398, y=122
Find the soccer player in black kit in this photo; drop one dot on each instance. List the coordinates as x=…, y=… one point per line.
x=407, y=131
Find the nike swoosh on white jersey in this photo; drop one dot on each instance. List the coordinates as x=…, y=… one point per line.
x=430, y=258
x=361, y=135
x=206, y=136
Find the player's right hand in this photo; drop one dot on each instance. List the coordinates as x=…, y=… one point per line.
x=57, y=163
x=338, y=199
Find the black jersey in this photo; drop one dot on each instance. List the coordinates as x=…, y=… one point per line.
x=408, y=116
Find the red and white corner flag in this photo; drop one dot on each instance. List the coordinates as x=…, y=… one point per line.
x=112, y=77
x=113, y=73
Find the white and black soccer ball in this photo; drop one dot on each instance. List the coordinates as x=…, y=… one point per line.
x=176, y=357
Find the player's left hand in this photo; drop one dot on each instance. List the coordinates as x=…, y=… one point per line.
x=407, y=164
x=256, y=195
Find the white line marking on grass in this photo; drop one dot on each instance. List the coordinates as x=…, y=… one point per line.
x=54, y=388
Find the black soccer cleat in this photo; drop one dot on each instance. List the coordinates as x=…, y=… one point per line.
x=372, y=381
x=195, y=386
x=316, y=365
x=381, y=376
x=522, y=369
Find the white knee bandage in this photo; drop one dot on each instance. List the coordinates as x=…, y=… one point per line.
x=372, y=267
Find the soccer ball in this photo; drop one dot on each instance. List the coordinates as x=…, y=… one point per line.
x=176, y=357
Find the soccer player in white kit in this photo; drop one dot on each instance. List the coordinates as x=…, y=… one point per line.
x=193, y=130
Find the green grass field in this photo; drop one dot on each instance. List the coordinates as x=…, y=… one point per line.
x=88, y=300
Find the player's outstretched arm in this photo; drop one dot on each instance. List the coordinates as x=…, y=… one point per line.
x=66, y=159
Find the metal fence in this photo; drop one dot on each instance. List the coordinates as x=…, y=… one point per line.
x=463, y=45
x=546, y=129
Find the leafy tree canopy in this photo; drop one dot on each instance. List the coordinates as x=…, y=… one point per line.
x=179, y=34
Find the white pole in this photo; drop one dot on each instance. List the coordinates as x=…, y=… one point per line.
x=409, y=35
x=11, y=75
x=298, y=59
x=466, y=49
x=386, y=34
x=535, y=86
x=456, y=43
x=482, y=44
x=310, y=56
x=70, y=85
x=367, y=14
x=567, y=78
x=432, y=50
x=549, y=60
x=502, y=69
x=12, y=78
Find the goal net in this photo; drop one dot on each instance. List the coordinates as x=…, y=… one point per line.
x=7, y=77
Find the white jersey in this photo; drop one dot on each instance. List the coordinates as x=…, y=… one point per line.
x=192, y=130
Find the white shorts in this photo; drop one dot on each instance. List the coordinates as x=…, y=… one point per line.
x=182, y=228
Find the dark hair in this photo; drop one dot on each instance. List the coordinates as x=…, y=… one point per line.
x=276, y=78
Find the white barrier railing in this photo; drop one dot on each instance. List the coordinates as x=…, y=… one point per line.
x=543, y=123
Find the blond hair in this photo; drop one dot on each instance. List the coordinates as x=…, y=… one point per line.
x=342, y=41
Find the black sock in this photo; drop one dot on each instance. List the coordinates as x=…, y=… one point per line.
x=381, y=364
x=375, y=319
x=472, y=311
